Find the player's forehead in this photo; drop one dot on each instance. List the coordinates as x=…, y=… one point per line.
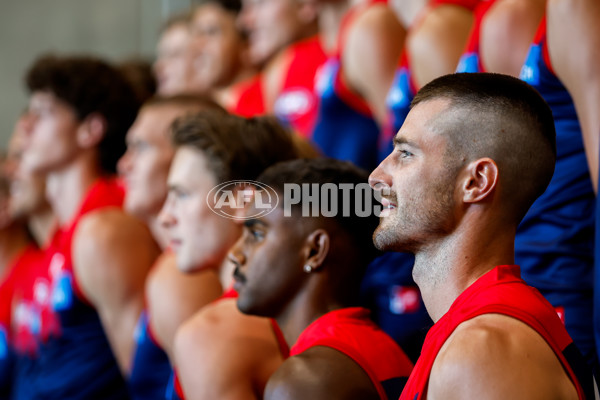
x=426, y=124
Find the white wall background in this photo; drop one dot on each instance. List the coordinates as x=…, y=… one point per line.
x=114, y=29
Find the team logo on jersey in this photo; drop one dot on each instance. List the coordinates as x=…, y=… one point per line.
x=62, y=289
x=397, y=96
x=468, y=63
x=530, y=72
x=294, y=103
x=560, y=311
x=324, y=78
x=405, y=300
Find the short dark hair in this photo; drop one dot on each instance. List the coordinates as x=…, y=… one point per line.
x=322, y=171
x=351, y=246
x=503, y=118
x=236, y=148
x=140, y=76
x=89, y=85
x=186, y=100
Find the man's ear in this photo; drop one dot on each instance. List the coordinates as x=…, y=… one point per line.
x=479, y=179
x=317, y=248
x=91, y=131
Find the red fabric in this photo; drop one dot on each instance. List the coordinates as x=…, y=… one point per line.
x=500, y=291
x=541, y=38
x=350, y=331
x=177, y=386
x=19, y=276
x=250, y=102
x=307, y=56
x=105, y=192
x=21, y=307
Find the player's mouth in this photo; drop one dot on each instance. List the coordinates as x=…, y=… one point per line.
x=239, y=279
x=388, y=206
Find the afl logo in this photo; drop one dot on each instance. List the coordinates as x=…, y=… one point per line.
x=242, y=200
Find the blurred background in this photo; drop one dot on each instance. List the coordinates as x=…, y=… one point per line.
x=116, y=29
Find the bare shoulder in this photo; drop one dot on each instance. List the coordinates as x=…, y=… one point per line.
x=498, y=357
x=112, y=252
x=222, y=353
x=111, y=227
x=436, y=44
x=320, y=373
x=370, y=56
x=507, y=31
x=377, y=23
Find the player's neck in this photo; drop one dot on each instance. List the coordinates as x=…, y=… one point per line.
x=66, y=188
x=42, y=224
x=447, y=267
x=308, y=305
x=330, y=20
x=228, y=96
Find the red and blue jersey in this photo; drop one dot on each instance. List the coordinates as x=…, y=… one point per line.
x=25, y=315
x=250, y=101
x=404, y=87
x=296, y=103
x=151, y=368
x=470, y=61
x=396, y=305
x=345, y=128
x=74, y=358
x=555, y=241
x=351, y=332
x=502, y=291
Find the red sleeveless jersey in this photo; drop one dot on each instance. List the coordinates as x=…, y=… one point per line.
x=350, y=331
x=500, y=291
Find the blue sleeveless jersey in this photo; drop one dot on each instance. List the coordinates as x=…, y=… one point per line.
x=555, y=242
x=151, y=369
x=343, y=131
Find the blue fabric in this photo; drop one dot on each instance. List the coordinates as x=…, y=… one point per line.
x=151, y=369
x=342, y=132
x=555, y=242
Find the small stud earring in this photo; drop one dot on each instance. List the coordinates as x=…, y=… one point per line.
x=307, y=268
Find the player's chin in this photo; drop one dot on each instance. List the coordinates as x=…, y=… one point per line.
x=382, y=239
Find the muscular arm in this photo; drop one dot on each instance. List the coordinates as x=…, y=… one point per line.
x=112, y=254
x=498, y=357
x=436, y=44
x=320, y=373
x=371, y=56
x=173, y=297
x=574, y=45
x=507, y=31
x=223, y=354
